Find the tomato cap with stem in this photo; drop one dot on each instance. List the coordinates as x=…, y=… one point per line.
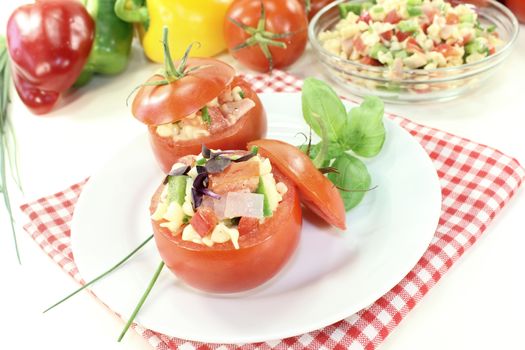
x=260, y=36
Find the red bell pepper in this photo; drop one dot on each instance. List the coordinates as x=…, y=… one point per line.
x=49, y=43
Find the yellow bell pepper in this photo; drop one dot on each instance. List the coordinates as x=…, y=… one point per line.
x=189, y=21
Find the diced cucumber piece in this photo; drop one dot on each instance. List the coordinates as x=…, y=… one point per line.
x=401, y=54
x=491, y=28
x=205, y=115
x=374, y=51
x=414, y=11
x=467, y=18
x=346, y=8
x=261, y=189
x=377, y=9
x=408, y=26
x=356, y=8
x=414, y=2
x=176, y=189
x=476, y=46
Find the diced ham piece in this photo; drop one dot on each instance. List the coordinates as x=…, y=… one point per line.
x=238, y=177
x=452, y=18
x=204, y=221
x=217, y=119
x=430, y=11
x=236, y=109
x=348, y=46
x=359, y=45
x=413, y=46
x=248, y=226
x=365, y=17
x=445, y=49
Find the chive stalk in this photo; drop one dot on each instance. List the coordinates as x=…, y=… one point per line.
x=141, y=301
x=93, y=281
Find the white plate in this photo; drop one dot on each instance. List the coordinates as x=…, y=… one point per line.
x=333, y=274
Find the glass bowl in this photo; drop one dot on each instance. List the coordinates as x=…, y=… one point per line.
x=414, y=85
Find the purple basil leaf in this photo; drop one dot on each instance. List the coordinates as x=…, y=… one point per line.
x=211, y=194
x=200, y=181
x=244, y=158
x=201, y=169
x=197, y=198
x=206, y=152
x=199, y=184
x=217, y=164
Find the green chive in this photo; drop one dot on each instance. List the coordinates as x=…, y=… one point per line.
x=142, y=300
x=241, y=93
x=102, y=275
x=7, y=138
x=206, y=116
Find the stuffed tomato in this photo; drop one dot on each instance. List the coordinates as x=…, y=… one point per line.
x=227, y=225
x=197, y=101
x=229, y=221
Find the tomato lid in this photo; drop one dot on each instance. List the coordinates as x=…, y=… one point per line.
x=317, y=192
x=205, y=79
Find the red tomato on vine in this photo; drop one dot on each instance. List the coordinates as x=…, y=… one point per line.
x=266, y=34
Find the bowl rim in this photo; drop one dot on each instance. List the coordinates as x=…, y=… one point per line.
x=505, y=50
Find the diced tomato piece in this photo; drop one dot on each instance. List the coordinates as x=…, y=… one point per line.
x=430, y=12
x=370, y=61
x=424, y=27
x=359, y=46
x=218, y=121
x=452, y=18
x=248, y=225
x=387, y=35
x=392, y=17
x=238, y=177
x=466, y=39
x=402, y=36
x=204, y=221
x=365, y=17
x=445, y=49
x=492, y=50
x=413, y=46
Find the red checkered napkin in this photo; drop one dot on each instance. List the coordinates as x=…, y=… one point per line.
x=476, y=181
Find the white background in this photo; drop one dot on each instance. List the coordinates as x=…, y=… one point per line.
x=478, y=304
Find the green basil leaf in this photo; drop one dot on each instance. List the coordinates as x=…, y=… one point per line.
x=365, y=133
x=352, y=179
x=321, y=103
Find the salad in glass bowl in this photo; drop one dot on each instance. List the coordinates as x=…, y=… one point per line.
x=412, y=50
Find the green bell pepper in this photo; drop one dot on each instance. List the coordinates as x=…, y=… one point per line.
x=112, y=45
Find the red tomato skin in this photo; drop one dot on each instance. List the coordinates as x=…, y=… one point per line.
x=316, y=6
x=250, y=127
x=518, y=7
x=281, y=17
x=248, y=226
x=402, y=36
x=156, y=105
x=317, y=192
x=370, y=61
x=224, y=269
